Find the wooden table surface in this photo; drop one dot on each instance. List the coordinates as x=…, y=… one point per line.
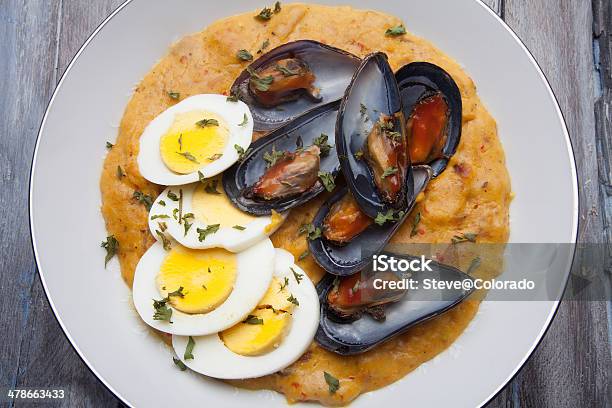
x=570, y=39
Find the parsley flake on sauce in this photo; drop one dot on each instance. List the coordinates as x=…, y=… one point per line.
x=112, y=247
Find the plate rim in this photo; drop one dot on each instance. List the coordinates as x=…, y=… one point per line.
x=568, y=141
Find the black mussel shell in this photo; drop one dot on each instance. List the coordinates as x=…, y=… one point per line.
x=373, y=91
x=416, y=306
x=301, y=132
x=332, y=67
x=419, y=80
x=357, y=254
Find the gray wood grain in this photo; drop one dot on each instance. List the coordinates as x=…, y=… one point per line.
x=39, y=37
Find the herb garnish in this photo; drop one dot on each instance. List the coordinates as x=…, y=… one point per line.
x=162, y=203
x=241, y=152
x=473, y=265
x=313, y=233
x=359, y=155
x=303, y=255
x=293, y=300
x=277, y=7
x=389, y=171
x=264, y=45
x=174, y=95
x=272, y=157
x=189, y=349
x=210, y=186
x=204, y=232
x=179, y=364
x=239, y=227
x=232, y=98
x=207, y=122
x=162, y=311
x=215, y=156
x=262, y=84
x=172, y=196
x=382, y=218
x=120, y=172
x=175, y=214
x=244, y=55
x=188, y=156
x=328, y=180
x=143, y=199
x=165, y=240
x=112, y=247
x=332, y=382
x=109, y=145
x=464, y=237
x=298, y=276
x=251, y=319
x=187, y=224
x=395, y=31
x=284, y=284
x=286, y=71
x=162, y=226
x=245, y=120
x=178, y=292
x=264, y=14
x=363, y=110
x=415, y=224
x=156, y=216
x=321, y=142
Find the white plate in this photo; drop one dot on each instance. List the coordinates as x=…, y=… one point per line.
x=92, y=304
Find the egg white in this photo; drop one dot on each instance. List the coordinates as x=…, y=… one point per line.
x=214, y=359
x=228, y=238
x=150, y=162
x=255, y=267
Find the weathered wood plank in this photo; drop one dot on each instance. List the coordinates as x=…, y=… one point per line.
x=28, y=31
x=46, y=358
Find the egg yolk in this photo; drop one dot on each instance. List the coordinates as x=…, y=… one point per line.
x=275, y=220
x=194, y=139
x=206, y=276
x=216, y=208
x=264, y=329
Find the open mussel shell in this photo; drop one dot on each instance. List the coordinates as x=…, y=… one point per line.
x=357, y=254
x=333, y=69
x=416, y=306
x=300, y=133
x=419, y=80
x=372, y=92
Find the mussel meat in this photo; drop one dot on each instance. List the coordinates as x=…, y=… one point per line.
x=386, y=154
x=283, y=81
x=426, y=128
x=350, y=296
x=283, y=169
x=345, y=221
x=346, y=330
x=292, y=79
x=292, y=174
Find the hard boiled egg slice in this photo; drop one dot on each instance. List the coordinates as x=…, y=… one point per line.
x=195, y=292
x=203, y=133
x=200, y=215
x=267, y=340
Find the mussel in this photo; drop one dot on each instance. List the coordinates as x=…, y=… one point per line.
x=345, y=220
x=349, y=256
x=284, y=169
x=382, y=304
x=292, y=79
x=371, y=139
x=432, y=105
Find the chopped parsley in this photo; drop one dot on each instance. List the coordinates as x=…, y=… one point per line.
x=262, y=84
x=207, y=122
x=312, y=232
x=179, y=364
x=264, y=45
x=251, y=319
x=415, y=224
x=156, y=216
x=273, y=156
x=112, y=247
x=277, y=7
x=358, y=155
x=204, y=232
x=162, y=203
x=286, y=71
x=143, y=199
x=232, y=98
x=189, y=349
x=186, y=222
x=120, y=172
x=241, y=152
x=303, y=256
x=293, y=300
x=389, y=171
x=239, y=227
x=464, y=237
x=178, y=292
x=395, y=31
x=172, y=196
x=162, y=311
x=328, y=180
x=265, y=14
x=244, y=55
x=245, y=120
x=188, y=156
x=390, y=215
x=174, y=95
x=167, y=244
x=298, y=276
x=215, y=156
x=284, y=284
x=332, y=382
x=321, y=142
x=109, y=145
